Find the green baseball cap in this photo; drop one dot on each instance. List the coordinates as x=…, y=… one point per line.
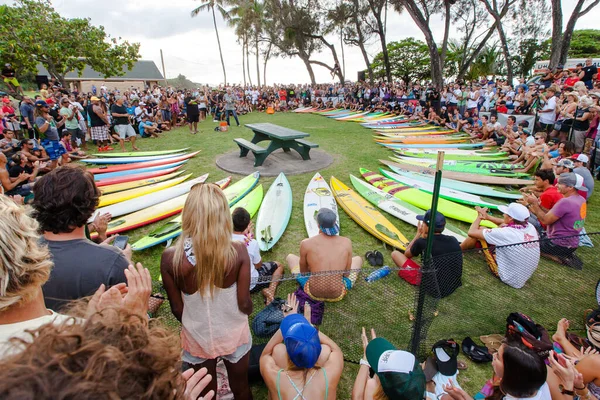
x=399, y=371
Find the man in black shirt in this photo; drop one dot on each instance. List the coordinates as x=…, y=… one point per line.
x=122, y=125
x=588, y=74
x=445, y=273
x=10, y=78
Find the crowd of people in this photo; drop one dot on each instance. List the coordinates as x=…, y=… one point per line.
x=82, y=328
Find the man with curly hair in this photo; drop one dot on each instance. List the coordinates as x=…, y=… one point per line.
x=64, y=200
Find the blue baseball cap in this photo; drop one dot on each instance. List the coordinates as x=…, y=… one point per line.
x=327, y=221
x=41, y=103
x=301, y=340
x=439, y=222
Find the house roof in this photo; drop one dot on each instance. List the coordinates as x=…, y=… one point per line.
x=144, y=70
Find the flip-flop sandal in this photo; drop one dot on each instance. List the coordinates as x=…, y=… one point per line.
x=492, y=342
x=461, y=365
x=378, y=258
x=371, y=258
x=478, y=354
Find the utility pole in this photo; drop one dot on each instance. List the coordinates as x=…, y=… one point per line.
x=162, y=61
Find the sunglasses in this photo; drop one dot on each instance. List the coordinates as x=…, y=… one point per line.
x=538, y=138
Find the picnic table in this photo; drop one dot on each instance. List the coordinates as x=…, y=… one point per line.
x=279, y=137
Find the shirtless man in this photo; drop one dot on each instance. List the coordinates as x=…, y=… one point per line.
x=9, y=185
x=322, y=253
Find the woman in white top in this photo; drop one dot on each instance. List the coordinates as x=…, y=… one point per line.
x=472, y=100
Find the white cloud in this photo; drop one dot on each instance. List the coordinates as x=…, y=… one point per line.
x=190, y=47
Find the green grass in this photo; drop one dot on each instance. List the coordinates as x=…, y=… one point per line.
x=479, y=307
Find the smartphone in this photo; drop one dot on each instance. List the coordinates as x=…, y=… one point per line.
x=120, y=241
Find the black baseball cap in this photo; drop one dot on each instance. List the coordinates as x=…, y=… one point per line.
x=439, y=222
x=446, y=353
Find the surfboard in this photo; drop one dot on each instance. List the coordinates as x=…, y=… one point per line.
x=143, y=173
x=128, y=160
x=113, y=198
x=318, y=195
x=433, y=146
x=445, y=193
x=170, y=230
x=398, y=208
x=139, y=165
x=238, y=190
x=367, y=216
x=274, y=214
x=251, y=202
x=108, y=189
x=139, y=203
x=460, y=176
x=469, y=155
x=467, y=167
x=421, y=199
x=462, y=186
x=142, y=153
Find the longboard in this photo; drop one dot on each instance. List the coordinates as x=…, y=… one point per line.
x=274, y=214
x=318, y=195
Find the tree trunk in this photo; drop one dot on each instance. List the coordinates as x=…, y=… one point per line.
x=265, y=64
x=467, y=63
x=219, y=43
x=361, y=39
x=567, y=35
x=343, y=57
x=248, y=62
x=257, y=62
x=309, y=68
x=381, y=32
x=243, y=64
x=506, y=52
x=556, y=42
x=367, y=62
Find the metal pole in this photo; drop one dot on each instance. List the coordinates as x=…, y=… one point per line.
x=162, y=61
x=416, y=334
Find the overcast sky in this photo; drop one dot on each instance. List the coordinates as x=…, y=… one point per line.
x=190, y=48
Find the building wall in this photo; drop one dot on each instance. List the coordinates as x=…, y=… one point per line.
x=86, y=86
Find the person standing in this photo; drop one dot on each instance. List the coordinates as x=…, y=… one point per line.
x=99, y=124
x=26, y=108
x=581, y=123
x=548, y=112
x=47, y=126
x=122, y=125
x=193, y=114
x=230, y=107
x=207, y=279
x=588, y=74
x=10, y=78
x=69, y=114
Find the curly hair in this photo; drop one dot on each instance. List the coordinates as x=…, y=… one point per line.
x=24, y=264
x=65, y=199
x=111, y=355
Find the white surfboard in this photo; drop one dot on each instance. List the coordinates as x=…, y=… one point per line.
x=139, y=203
x=274, y=214
x=318, y=195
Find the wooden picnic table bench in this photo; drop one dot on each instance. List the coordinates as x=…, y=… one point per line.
x=279, y=137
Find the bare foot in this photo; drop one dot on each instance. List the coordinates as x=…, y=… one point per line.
x=135, y=148
x=561, y=330
x=268, y=295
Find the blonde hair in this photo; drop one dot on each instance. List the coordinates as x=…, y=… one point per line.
x=206, y=220
x=380, y=394
x=24, y=264
x=586, y=101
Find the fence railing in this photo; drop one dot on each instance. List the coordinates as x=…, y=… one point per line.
x=415, y=317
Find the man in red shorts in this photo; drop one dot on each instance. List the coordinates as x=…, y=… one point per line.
x=446, y=253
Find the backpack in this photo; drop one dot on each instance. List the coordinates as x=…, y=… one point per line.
x=592, y=327
x=267, y=321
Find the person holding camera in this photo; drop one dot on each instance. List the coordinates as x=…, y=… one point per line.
x=547, y=115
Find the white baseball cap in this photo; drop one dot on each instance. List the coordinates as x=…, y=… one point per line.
x=582, y=158
x=516, y=211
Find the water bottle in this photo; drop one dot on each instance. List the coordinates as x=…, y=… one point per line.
x=378, y=274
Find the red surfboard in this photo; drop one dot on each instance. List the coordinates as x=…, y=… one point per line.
x=145, y=164
x=130, y=178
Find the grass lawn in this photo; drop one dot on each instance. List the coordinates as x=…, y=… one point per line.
x=479, y=307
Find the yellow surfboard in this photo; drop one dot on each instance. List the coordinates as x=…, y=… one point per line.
x=119, y=187
x=118, y=197
x=367, y=216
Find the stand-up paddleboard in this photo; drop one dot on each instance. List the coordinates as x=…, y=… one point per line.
x=462, y=186
x=486, y=169
x=433, y=146
x=119, y=187
x=170, y=230
x=318, y=195
x=113, y=198
x=110, y=177
x=398, y=208
x=128, y=160
x=365, y=215
x=463, y=163
x=460, y=176
x=445, y=193
x=136, y=175
x=145, y=164
x=274, y=214
x=139, y=203
x=142, y=153
x=421, y=199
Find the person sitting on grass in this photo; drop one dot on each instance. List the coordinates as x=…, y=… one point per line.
x=311, y=361
x=398, y=374
x=514, y=265
x=546, y=193
x=147, y=128
x=72, y=152
x=322, y=253
x=64, y=200
x=563, y=222
x=263, y=275
x=448, y=273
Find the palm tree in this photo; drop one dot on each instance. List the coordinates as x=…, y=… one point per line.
x=209, y=5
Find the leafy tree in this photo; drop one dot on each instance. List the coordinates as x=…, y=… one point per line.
x=409, y=59
x=527, y=52
x=210, y=5
x=32, y=32
x=585, y=43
